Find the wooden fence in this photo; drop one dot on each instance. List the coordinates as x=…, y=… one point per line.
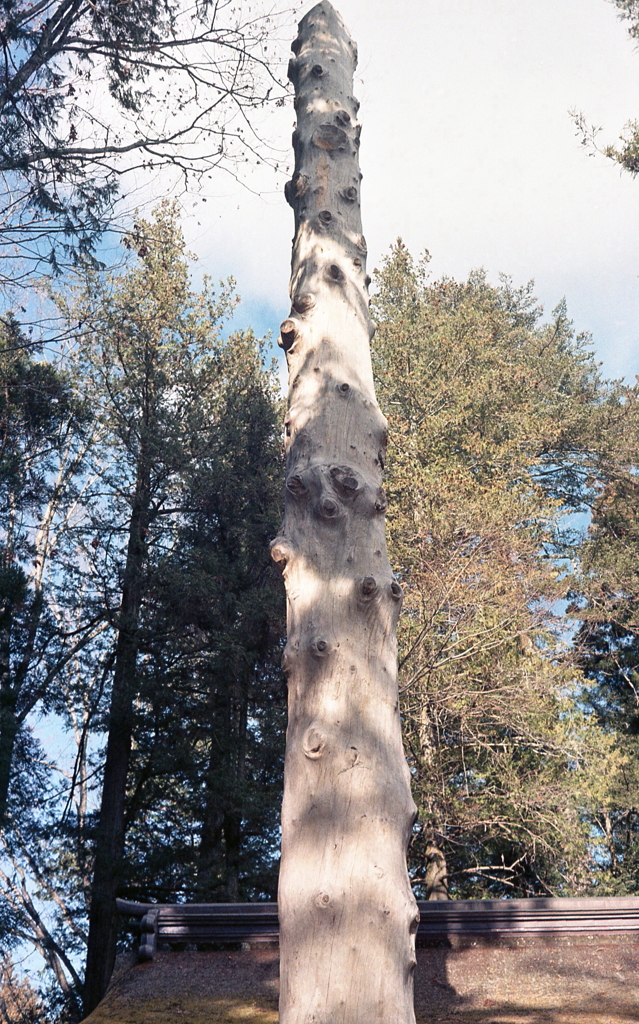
x=212, y=923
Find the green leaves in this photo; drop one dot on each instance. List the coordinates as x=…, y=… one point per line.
x=499, y=428
x=195, y=416
x=141, y=481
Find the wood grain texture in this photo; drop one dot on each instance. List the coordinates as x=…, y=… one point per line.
x=347, y=914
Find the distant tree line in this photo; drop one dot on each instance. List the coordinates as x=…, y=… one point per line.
x=142, y=704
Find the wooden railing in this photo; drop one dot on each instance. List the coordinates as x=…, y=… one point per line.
x=174, y=923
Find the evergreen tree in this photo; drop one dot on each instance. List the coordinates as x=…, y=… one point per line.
x=606, y=608
x=212, y=728
x=174, y=579
x=44, y=436
x=497, y=420
x=140, y=490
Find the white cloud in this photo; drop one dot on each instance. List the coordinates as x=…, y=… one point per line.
x=468, y=150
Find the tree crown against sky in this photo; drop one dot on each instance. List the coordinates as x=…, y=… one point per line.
x=45, y=432
x=93, y=91
x=196, y=417
x=519, y=659
x=499, y=423
x=626, y=152
x=500, y=427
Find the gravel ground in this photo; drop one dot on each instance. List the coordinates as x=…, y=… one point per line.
x=592, y=981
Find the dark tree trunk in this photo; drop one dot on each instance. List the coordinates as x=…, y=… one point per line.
x=8, y=732
x=210, y=860
x=232, y=849
x=8, y=717
x=234, y=815
x=210, y=850
x=110, y=834
x=11, y=687
x=221, y=837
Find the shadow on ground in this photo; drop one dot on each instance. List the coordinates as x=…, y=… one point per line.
x=565, y=980
x=593, y=980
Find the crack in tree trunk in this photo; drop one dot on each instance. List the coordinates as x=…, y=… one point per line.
x=347, y=913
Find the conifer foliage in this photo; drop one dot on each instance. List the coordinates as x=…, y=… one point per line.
x=606, y=609
x=500, y=432
x=174, y=701
x=142, y=706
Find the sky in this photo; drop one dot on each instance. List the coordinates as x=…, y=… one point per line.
x=468, y=150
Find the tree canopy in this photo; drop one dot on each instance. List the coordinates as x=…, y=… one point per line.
x=93, y=91
x=173, y=701
x=142, y=703
x=141, y=476
x=501, y=432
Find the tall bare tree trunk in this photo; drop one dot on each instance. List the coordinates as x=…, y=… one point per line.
x=347, y=914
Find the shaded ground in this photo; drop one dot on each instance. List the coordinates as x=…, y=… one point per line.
x=593, y=980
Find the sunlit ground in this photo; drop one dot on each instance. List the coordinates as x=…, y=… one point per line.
x=592, y=980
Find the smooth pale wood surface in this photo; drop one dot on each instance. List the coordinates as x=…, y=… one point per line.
x=347, y=914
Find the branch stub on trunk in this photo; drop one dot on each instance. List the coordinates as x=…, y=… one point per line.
x=347, y=810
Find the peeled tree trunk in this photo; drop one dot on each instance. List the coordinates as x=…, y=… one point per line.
x=347, y=913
